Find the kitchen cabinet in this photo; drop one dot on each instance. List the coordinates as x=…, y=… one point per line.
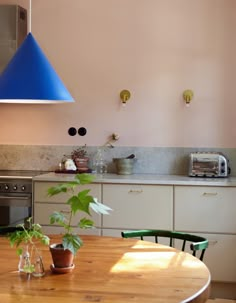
x=205, y=210
x=137, y=207
x=43, y=206
x=210, y=211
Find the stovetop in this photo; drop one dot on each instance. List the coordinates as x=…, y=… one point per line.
x=20, y=174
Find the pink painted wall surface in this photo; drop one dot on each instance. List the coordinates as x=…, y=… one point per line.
x=154, y=48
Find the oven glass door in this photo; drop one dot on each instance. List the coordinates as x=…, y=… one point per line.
x=14, y=208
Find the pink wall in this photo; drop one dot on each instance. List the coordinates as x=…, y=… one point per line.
x=154, y=48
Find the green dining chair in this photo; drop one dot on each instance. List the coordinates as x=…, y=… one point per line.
x=197, y=243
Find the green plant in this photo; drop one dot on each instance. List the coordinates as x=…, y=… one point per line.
x=79, y=202
x=27, y=234
x=80, y=152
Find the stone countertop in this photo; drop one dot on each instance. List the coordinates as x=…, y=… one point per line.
x=151, y=179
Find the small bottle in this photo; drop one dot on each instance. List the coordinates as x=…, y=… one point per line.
x=24, y=259
x=38, y=265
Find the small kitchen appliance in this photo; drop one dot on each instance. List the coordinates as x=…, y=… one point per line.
x=208, y=164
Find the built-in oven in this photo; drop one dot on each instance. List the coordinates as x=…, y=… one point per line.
x=15, y=202
x=15, y=198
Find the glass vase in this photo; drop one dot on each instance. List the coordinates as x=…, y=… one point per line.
x=24, y=261
x=99, y=164
x=37, y=262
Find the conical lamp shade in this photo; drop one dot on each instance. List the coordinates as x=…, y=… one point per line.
x=30, y=78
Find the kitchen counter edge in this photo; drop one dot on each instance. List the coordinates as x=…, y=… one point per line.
x=149, y=179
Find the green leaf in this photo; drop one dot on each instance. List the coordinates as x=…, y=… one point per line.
x=85, y=223
x=81, y=202
x=72, y=243
x=62, y=188
x=57, y=190
x=19, y=251
x=29, y=268
x=45, y=240
x=57, y=217
x=19, y=236
x=85, y=178
x=100, y=208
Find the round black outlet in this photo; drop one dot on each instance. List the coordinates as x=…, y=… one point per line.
x=72, y=131
x=82, y=131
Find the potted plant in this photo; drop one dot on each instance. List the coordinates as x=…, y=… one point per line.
x=25, y=239
x=81, y=159
x=80, y=204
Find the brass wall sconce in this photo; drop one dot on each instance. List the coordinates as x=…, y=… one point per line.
x=188, y=96
x=125, y=96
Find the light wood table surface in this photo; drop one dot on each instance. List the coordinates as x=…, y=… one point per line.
x=109, y=270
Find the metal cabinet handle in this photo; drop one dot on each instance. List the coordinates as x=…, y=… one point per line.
x=135, y=191
x=65, y=211
x=210, y=194
x=212, y=242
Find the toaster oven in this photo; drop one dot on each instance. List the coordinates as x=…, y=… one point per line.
x=208, y=164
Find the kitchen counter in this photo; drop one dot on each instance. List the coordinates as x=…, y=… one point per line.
x=152, y=179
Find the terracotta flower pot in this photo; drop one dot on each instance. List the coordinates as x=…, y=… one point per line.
x=82, y=164
x=61, y=258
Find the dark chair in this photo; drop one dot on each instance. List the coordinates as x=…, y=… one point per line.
x=5, y=230
x=197, y=243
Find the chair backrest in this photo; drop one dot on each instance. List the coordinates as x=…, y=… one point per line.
x=197, y=243
x=5, y=230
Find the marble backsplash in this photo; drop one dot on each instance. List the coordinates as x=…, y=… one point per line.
x=149, y=160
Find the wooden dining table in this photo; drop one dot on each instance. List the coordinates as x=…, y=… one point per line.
x=108, y=270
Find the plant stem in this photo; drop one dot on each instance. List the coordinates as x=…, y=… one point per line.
x=70, y=217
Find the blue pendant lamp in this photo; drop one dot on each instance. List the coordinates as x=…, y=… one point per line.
x=30, y=78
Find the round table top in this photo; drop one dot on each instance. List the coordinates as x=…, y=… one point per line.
x=109, y=270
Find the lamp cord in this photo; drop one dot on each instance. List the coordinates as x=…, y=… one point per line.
x=29, y=28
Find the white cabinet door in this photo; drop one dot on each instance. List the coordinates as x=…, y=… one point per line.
x=220, y=257
x=205, y=209
x=210, y=211
x=138, y=206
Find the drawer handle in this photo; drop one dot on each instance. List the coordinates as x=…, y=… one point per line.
x=210, y=194
x=212, y=242
x=135, y=191
x=64, y=211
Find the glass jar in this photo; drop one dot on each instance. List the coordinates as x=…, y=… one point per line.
x=99, y=164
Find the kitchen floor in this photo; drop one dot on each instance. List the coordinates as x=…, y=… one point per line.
x=220, y=301
x=223, y=290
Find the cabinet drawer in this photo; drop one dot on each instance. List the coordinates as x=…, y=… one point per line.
x=57, y=230
x=138, y=206
x=205, y=209
x=42, y=211
x=41, y=189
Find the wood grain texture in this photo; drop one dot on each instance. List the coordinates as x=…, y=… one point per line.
x=109, y=270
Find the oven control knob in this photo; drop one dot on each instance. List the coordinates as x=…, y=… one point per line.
x=15, y=187
x=6, y=187
x=23, y=187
